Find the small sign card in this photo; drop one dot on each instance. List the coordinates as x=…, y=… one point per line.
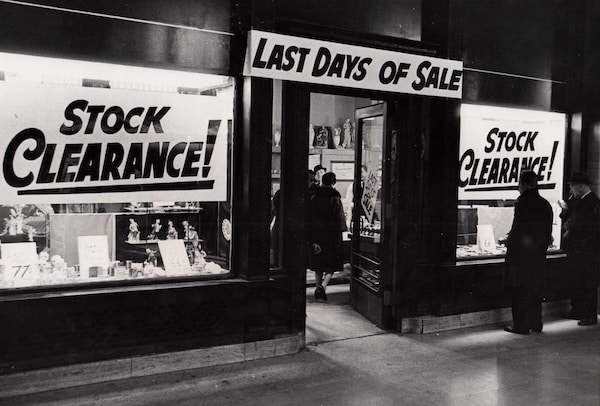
x=485, y=238
x=20, y=262
x=174, y=257
x=93, y=251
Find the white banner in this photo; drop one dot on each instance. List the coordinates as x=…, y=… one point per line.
x=72, y=144
x=284, y=57
x=496, y=144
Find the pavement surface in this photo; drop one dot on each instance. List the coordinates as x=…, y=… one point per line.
x=349, y=361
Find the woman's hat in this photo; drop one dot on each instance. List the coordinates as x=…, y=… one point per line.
x=579, y=178
x=328, y=179
x=317, y=168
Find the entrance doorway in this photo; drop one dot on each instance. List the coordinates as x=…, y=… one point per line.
x=332, y=149
x=377, y=151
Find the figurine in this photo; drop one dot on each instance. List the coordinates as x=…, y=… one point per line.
x=151, y=257
x=277, y=138
x=337, y=136
x=190, y=233
x=43, y=262
x=348, y=134
x=15, y=222
x=134, y=231
x=172, y=233
x=311, y=136
x=58, y=263
x=155, y=230
x=322, y=137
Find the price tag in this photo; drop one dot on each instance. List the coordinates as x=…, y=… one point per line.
x=20, y=263
x=93, y=251
x=174, y=256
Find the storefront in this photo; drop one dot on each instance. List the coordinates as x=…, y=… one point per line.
x=138, y=174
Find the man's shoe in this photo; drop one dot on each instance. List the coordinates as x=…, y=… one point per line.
x=571, y=315
x=587, y=322
x=511, y=329
x=537, y=329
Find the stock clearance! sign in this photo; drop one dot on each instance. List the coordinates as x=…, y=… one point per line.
x=277, y=56
x=496, y=144
x=70, y=144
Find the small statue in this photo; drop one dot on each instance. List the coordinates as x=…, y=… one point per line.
x=348, y=134
x=15, y=222
x=337, y=137
x=155, y=230
x=277, y=138
x=190, y=233
x=151, y=257
x=44, y=264
x=58, y=263
x=134, y=231
x=172, y=233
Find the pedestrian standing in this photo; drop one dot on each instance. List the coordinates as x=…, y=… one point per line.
x=582, y=244
x=527, y=243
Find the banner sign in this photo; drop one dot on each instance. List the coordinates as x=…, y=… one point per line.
x=496, y=144
x=72, y=144
x=284, y=57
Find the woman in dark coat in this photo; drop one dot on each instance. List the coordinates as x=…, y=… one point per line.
x=326, y=225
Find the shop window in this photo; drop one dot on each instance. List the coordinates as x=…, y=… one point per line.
x=112, y=173
x=496, y=144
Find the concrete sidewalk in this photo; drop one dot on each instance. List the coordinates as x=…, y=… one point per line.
x=355, y=363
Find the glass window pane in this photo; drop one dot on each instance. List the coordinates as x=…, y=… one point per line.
x=496, y=144
x=112, y=173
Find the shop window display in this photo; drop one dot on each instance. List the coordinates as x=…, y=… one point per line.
x=496, y=145
x=75, y=151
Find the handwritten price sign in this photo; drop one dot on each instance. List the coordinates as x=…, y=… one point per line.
x=93, y=251
x=20, y=262
x=174, y=256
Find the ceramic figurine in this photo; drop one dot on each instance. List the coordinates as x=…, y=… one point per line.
x=277, y=138
x=172, y=233
x=134, y=231
x=155, y=230
x=151, y=257
x=337, y=137
x=348, y=134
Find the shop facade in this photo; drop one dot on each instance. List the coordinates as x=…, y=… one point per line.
x=142, y=156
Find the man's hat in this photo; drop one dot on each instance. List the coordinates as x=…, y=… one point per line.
x=579, y=178
x=317, y=168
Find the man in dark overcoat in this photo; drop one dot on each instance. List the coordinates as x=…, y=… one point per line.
x=581, y=241
x=527, y=243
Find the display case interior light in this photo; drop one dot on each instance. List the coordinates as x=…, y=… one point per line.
x=504, y=113
x=36, y=69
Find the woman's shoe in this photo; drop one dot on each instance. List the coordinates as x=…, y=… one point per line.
x=320, y=293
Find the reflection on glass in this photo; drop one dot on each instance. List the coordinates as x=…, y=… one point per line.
x=66, y=244
x=366, y=258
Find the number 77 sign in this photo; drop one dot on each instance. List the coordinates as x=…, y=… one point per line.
x=20, y=263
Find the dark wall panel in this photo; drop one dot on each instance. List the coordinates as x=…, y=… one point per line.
x=44, y=32
x=401, y=19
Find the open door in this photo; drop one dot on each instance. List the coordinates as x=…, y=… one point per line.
x=372, y=287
